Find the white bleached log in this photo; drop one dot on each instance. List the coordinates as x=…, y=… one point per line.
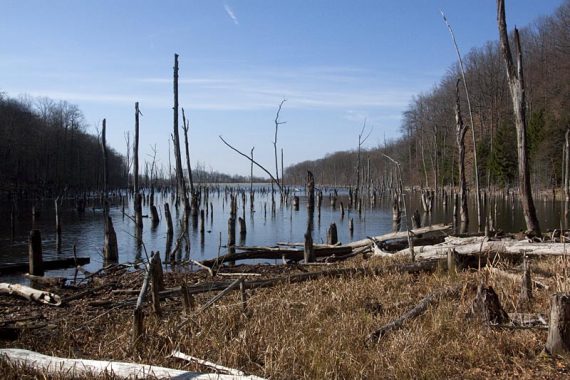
x=214, y=366
x=472, y=246
x=73, y=368
x=437, y=229
x=30, y=294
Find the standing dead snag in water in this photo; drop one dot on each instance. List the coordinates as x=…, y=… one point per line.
x=309, y=250
x=186, y=127
x=136, y=196
x=110, y=249
x=181, y=184
x=277, y=124
x=475, y=165
x=460, y=130
x=518, y=95
x=361, y=141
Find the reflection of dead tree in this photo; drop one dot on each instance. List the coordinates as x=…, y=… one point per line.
x=277, y=124
x=254, y=162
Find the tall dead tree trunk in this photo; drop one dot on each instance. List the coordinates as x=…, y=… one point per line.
x=518, y=96
x=460, y=130
x=186, y=127
x=277, y=124
x=181, y=184
x=137, y=199
x=309, y=250
x=566, y=179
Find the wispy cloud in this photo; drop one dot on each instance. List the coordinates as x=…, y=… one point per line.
x=231, y=13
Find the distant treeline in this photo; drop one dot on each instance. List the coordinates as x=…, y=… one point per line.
x=427, y=149
x=44, y=148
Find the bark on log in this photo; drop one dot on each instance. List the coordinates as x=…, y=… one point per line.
x=30, y=294
x=75, y=368
x=437, y=229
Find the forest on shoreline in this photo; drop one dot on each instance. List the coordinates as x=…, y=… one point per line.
x=427, y=148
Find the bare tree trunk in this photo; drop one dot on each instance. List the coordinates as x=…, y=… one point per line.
x=277, y=123
x=518, y=95
x=476, y=167
x=137, y=197
x=460, y=131
x=186, y=127
x=309, y=250
x=181, y=184
x=566, y=179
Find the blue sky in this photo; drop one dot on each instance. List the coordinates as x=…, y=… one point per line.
x=336, y=62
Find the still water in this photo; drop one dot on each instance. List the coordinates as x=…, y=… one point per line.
x=86, y=230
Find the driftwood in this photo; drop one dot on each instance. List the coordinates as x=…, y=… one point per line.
x=216, y=367
x=30, y=294
x=479, y=245
x=74, y=368
x=419, y=309
x=437, y=229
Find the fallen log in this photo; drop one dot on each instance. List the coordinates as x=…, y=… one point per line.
x=30, y=294
x=73, y=368
x=478, y=245
x=515, y=277
x=419, y=309
x=216, y=367
x=437, y=229
x=274, y=253
x=23, y=267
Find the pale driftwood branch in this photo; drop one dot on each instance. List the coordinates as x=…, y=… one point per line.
x=30, y=294
x=435, y=229
x=220, y=295
x=476, y=246
x=419, y=309
x=254, y=162
x=214, y=366
x=74, y=368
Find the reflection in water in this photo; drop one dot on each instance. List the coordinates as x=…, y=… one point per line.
x=86, y=229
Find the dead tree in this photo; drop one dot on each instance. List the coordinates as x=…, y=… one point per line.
x=277, y=124
x=475, y=165
x=566, y=172
x=460, y=130
x=309, y=250
x=361, y=140
x=137, y=197
x=110, y=249
x=517, y=89
x=186, y=127
x=181, y=184
x=254, y=162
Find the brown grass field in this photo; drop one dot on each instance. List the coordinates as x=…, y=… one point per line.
x=310, y=330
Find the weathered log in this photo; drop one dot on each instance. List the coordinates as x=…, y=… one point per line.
x=75, y=368
x=67, y=262
x=437, y=229
x=416, y=311
x=275, y=254
x=558, y=341
x=216, y=367
x=30, y=294
x=479, y=245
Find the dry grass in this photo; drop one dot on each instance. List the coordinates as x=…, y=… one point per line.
x=311, y=330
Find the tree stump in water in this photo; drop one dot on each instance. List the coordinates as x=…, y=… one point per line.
x=487, y=308
x=296, y=203
x=35, y=253
x=111, y=250
x=416, y=220
x=332, y=234
x=558, y=341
